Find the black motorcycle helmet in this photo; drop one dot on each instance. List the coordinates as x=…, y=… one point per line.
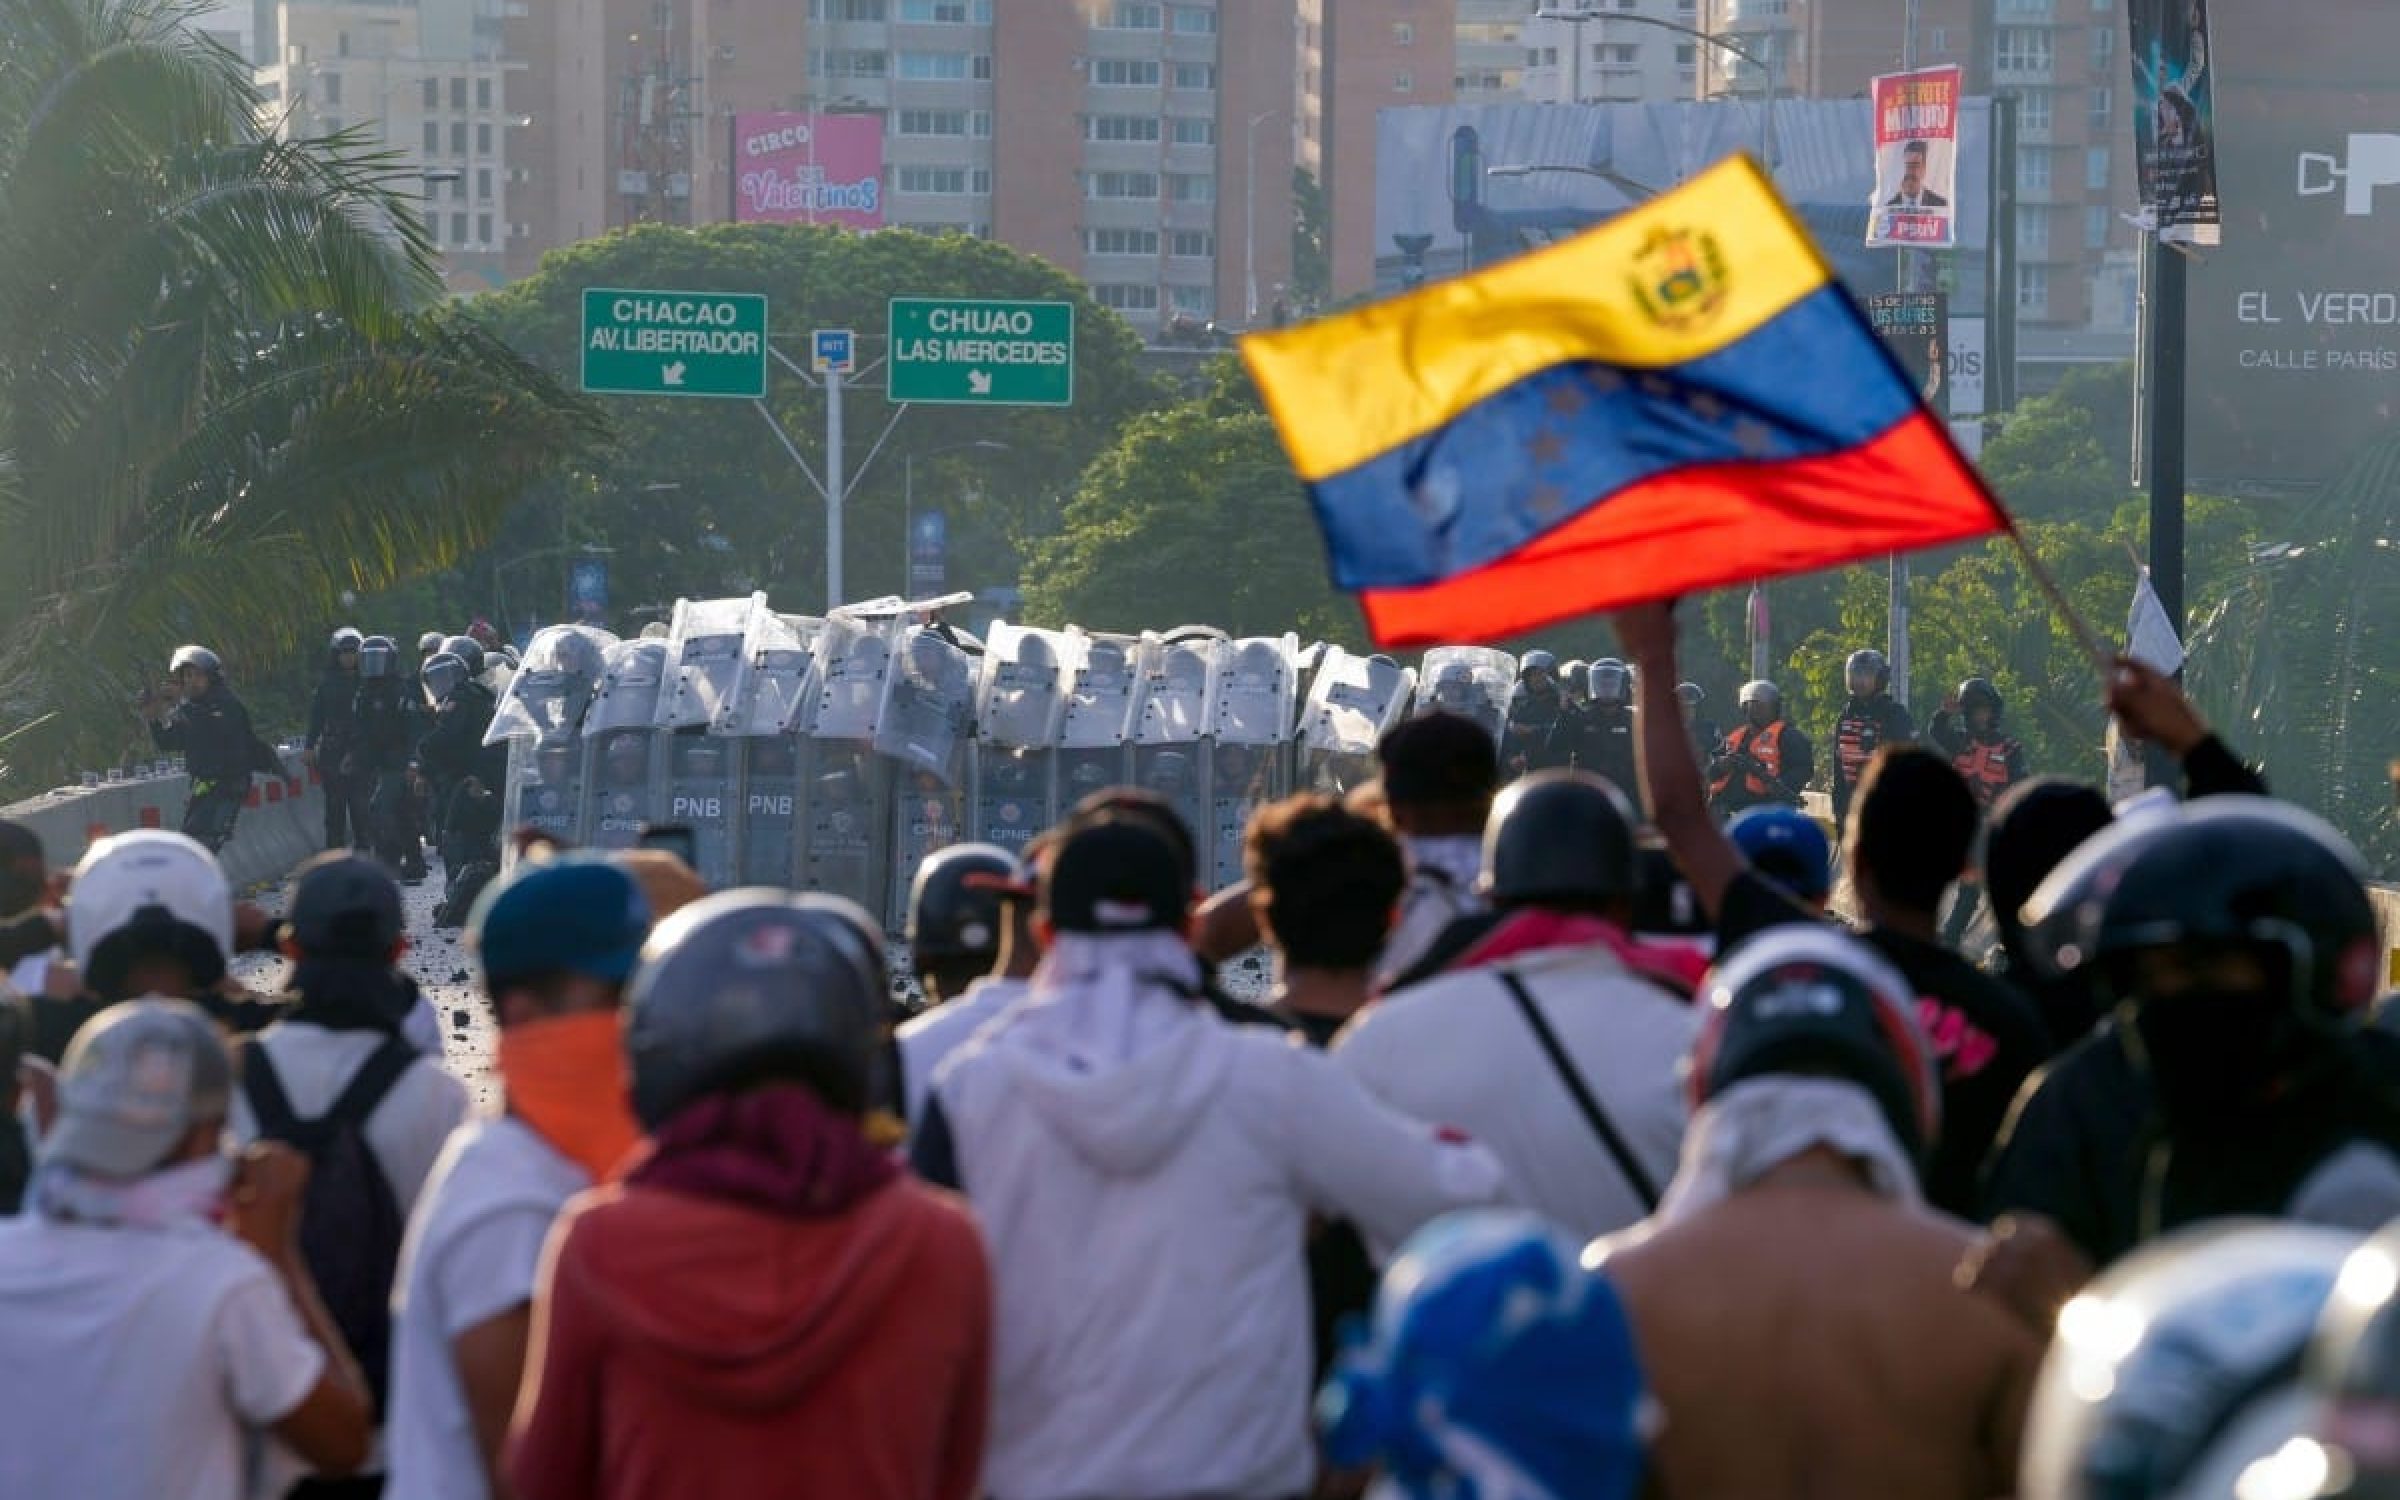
x=1560, y=837
x=954, y=903
x=1978, y=692
x=1866, y=673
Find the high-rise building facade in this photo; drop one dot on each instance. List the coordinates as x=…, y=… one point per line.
x=1358, y=57
x=1620, y=52
x=1491, y=50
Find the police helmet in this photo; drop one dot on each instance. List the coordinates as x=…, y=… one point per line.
x=1806, y=998
x=1978, y=692
x=1537, y=661
x=1866, y=673
x=1759, y=690
x=1612, y=682
x=199, y=657
x=348, y=638
x=1559, y=835
x=428, y=643
x=376, y=657
x=467, y=649
x=1690, y=694
x=442, y=674
x=2178, y=1369
x=749, y=984
x=1574, y=676
x=954, y=903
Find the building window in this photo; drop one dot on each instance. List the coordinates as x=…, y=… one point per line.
x=458, y=137
x=2033, y=171
x=982, y=67
x=2033, y=111
x=1191, y=20
x=931, y=122
x=1141, y=186
x=1195, y=132
x=2033, y=232
x=852, y=64
x=928, y=12
x=1131, y=15
x=933, y=179
x=2095, y=227
x=2104, y=48
x=1192, y=187
x=458, y=188
x=2033, y=289
x=483, y=183
x=850, y=10
x=1404, y=82
x=1120, y=241
x=483, y=93
x=1192, y=244
x=433, y=138
x=1686, y=54
x=458, y=229
x=333, y=88
x=433, y=93
x=1199, y=301
x=1937, y=39
x=483, y=229
x=2021, y=50
x=979, y=124
x=458, y=93
x=2097, y=120
x=933, y=67
x=1125, y=297
x=2095, y=168
x=483, y=139
x=1199, y=76
x=1121, y=128
x=1404, y=33
x=1125, y=72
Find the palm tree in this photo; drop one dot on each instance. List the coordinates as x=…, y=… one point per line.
x=2304, y=652
x=228, y=388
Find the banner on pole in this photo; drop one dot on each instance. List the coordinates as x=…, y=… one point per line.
x=1916, y=160
x=2175, y=120
x=1912, y=325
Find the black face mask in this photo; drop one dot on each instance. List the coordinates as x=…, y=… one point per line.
x=2217, y=1053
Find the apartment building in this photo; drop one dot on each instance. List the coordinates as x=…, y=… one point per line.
x=1490, y=65
x=1358, y=57
x=1614, y=52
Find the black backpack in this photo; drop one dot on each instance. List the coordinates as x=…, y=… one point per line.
x=350, y=1221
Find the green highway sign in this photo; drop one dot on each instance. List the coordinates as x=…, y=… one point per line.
x=958, y=351
x=674, y=343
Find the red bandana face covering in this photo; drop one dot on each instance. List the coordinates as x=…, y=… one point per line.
x=567, y=1078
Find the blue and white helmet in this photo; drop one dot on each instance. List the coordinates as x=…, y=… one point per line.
x=1496, y=1368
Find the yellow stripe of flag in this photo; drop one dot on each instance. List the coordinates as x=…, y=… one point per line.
x=1348, y=388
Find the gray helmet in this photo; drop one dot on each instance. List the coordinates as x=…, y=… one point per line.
x=1612, y=682
x=196, y=656
x=442, y=674
x=1574, y=674
x=1866, y=673
x=467, y=649
x=754, y=983
x=1559, y=835
x=1537, y=661
x=1691, y=694
x=376, y=655
x=954, y=903
x=428, y=643
x=1759, y=690
x=347, y=638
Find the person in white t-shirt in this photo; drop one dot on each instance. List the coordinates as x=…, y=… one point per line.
x=971, y=941
x=141, y=1346
x=556, y=945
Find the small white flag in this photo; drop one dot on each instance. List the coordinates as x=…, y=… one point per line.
x=2149, y=635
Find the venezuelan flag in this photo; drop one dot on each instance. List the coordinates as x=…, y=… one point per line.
x=1679, y=399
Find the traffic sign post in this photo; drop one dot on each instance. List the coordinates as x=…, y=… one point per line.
x=665, y=343
x=960, y=351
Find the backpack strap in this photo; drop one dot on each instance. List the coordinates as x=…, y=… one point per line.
x=1602, y=1126
x=272, y=1108
x=374, y=1079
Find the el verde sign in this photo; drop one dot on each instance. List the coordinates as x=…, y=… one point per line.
x=658, y=343
x=956, y=351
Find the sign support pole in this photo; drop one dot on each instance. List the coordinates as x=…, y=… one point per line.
x=834, y=492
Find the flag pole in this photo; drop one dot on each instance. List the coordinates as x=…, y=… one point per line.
x=2102, y=658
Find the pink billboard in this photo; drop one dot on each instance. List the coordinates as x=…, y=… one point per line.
x=808, y=169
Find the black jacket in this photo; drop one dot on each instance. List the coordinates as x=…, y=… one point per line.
x=213, y=733
x=2087, y=1147
x=453, y=749
x=387, y=726
x=333, y=717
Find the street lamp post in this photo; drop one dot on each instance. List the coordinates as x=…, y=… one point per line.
x=1250, y=216
x=908, y=496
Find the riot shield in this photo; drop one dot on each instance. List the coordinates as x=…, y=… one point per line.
x=770, y=769
x=772, y=698
x=1257, y=689
x=845, y=801
x=1099, y=716
x=545, y=788
x=1175, y=697
x=700, y=794
x=1352, y=702
x=623, y=781
x=928, y=714
x=704, y=658
x=1020, y=705
x=1474, y=681
x=776, y=676
x=550, y=690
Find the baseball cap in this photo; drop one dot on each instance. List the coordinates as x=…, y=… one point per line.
x=1114, y=877
x=343, y=906
x=579, y=914
x=135, y=1080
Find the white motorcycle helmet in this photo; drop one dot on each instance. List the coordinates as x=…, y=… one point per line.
x=147, y=891
x=2179, y=1370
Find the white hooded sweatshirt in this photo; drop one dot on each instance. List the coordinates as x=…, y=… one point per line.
x=1144, y=1172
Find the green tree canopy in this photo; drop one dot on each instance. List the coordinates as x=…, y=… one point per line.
x=699, y=498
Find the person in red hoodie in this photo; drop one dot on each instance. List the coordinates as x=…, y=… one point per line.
x=765, y=1304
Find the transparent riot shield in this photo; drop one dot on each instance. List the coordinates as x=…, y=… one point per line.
x=1099, y=716
x=1353, y=700
x=701, y=787
x=550, y=690
x=624, y=772
x=704, y=658
x=545, y=789
x=1175, y=697
x=928, y=717
x=1020, y=703
x=846, y=799
x=1474, y=681
x=1251, y=726
x=772, y=697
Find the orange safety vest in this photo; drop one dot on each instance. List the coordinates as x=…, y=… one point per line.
x=1985, y=766
x=1765, y=747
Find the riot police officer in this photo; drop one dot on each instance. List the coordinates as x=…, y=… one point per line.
x=1534, y=710
x=386, y=738
x=1871, y=719
x=332, y=743
x=1601, y=735
x=1968, y=731
x=1766, y=759
x=199, y=717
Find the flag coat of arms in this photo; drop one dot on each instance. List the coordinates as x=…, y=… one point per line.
x=1679, y=399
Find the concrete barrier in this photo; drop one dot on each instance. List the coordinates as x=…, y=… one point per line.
x=282, y=822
